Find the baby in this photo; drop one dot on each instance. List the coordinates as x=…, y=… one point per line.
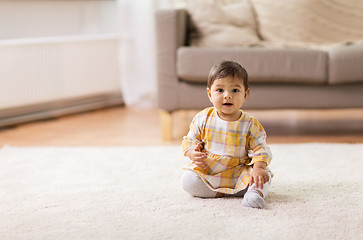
x=227, y=146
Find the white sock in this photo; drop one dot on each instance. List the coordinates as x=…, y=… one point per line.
x=253, y=199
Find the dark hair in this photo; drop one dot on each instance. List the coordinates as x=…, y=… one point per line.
x=228, y=69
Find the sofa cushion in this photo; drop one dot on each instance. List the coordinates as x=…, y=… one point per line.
x=310, y=21
x=263, y=65
x=221, y=23
x=346, y=64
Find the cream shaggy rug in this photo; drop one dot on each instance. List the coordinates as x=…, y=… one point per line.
x=134, y=193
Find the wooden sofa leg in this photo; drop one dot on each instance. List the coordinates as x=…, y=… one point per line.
x=167, y=125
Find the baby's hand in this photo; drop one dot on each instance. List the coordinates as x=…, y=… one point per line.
x=197, y=156
x=259, y=176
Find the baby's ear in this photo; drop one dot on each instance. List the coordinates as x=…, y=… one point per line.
x=247, y=92
x=209, y=94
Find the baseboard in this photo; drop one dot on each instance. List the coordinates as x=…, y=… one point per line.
x=28, y=113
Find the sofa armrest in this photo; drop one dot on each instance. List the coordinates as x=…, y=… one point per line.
x=171, y=31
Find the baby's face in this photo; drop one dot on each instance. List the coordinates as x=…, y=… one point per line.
x=228, y=95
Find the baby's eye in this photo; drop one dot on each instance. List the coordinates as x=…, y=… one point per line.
x=235, y=90
x=219, y=90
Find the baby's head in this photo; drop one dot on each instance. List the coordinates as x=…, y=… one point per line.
x=228, y=89
x=228, y=69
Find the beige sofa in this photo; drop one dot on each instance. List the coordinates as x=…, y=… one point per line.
x=321, y=71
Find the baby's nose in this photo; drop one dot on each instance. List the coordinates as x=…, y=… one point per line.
x=227, y=95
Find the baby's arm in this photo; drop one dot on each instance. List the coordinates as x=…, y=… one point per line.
x=197, y=156
x=261, y=154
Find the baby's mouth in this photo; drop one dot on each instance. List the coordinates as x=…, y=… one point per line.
x=227, y=104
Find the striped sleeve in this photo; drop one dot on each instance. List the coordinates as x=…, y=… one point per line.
x=257, y=143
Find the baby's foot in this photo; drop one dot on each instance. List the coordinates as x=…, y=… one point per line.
x=253, y=199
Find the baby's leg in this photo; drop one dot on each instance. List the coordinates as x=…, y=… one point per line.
x=193, y=184
x=254, y=196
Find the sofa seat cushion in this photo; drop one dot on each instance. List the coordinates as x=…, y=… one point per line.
x=302, y=66
x=346, y=64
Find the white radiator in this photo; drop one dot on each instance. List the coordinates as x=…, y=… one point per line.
x=40, y=77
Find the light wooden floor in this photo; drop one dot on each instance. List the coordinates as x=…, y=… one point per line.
x=129, y=127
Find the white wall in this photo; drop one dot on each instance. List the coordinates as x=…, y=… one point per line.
x=31, y=18
x=133, y=20
x=55, y=50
